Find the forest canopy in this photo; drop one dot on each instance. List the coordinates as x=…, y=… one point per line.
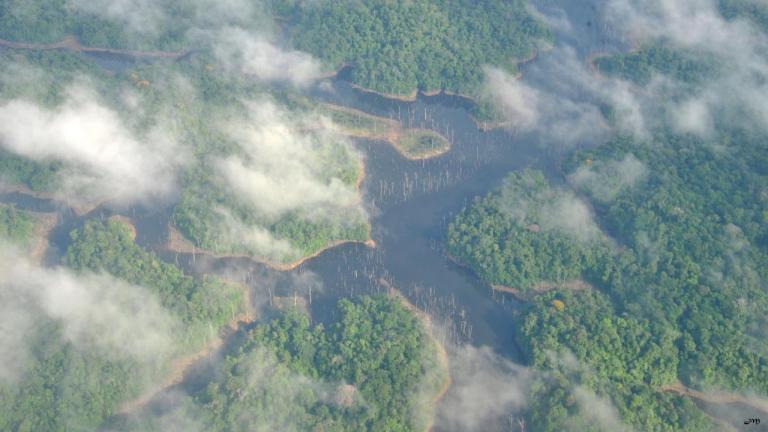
x=401, y=46
x=371, y=368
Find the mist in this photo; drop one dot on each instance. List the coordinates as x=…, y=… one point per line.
x=487, y=391
x=94, y=312
x=102, y=157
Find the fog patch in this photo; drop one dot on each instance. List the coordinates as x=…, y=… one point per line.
x=284, y=169
x=95, y=312
x=244, y=52
x=735, y=94
x=486, y=391
x=563, y=103
x=603, y=180
x=233, y=230
x=103, y=158
x=531, y=201
x=600, y=411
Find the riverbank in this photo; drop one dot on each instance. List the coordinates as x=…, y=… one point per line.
x=538, y=289
x=44, y=224
x=180, y=365
x=440, y=351
x=415, y=93
x=177, y=243
x=80, y=209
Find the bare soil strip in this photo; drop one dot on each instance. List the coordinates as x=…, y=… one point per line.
x=72, y=44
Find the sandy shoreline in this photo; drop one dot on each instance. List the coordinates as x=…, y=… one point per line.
x=44, y=224
x=392, y=134
x=540, y=288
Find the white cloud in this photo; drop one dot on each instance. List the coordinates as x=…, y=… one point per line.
x=103, y=158
x=736, y=93
x=551, y=207
x=599, y=411
x=486, y=389
x=285, y=169
x=562, y=104
x=94, y=312
x=257, y=239
x=604, y=180
x=245, y=52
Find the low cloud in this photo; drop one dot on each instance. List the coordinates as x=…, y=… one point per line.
x=599, y=411
x=486, y=391
x=604, y=180
x=244, y=52
x=233, y=230
x=560, y=97
x=93, y=312
x=563, y=104
x=551, y=207
x=734, y=95
x=103, y=159
x=284, y=168
x=238, y=33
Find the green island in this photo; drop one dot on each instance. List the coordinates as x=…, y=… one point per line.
x=412, y=143
x=371, y=368
x=399, y=47
x=684, y=289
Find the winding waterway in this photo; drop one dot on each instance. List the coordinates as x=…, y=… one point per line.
x=410, y=204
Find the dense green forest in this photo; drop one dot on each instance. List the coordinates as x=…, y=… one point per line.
x=161, y=25
x=640, y=65
x=371, y=369
x=201, y=304
x=508, y=238
x=679, y=290
x=68, y=386
x=682, y=298
x=619, y=360
x=16, y=226
x=400, y=46
x=47, y=21
x=195, y=120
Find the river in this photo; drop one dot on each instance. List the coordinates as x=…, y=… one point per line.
x=410, y=203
